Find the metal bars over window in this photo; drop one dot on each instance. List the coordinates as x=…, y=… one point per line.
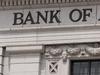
x=2, y=51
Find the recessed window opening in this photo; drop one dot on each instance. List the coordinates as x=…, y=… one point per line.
x=85, y=67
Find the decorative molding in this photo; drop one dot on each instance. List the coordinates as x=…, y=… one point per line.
x=73, y=51
x=64, y=56
x=42, y=2
x=55, y=51
x=53, y=67
x=76, y=50
x=93, y=51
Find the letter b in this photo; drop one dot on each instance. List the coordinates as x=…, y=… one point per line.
x=18, y=18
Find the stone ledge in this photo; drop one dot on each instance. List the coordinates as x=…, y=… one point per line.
x=37, y=49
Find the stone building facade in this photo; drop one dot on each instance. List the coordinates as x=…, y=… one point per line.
x=49, y=37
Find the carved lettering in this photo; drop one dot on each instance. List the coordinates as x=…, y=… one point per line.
x=29, y=18
x=85, y=14
x=18, y=18
x=79, y=16
x=47, y=17
x=44, y=18
x=54, y=15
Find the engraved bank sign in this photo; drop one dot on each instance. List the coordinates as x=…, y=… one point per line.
x=51, y=16
x=69, y=16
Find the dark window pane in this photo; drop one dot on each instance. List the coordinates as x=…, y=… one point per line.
x=76, y=67
x=88, y=67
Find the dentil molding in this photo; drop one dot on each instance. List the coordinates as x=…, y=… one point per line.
x=22, y=4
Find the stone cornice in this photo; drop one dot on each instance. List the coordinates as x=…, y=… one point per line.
x=12, y=4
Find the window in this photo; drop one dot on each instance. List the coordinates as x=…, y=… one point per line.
x=85, y=67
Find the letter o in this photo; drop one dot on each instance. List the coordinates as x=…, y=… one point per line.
x=71, y=13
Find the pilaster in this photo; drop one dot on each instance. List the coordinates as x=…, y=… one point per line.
x=23, y=60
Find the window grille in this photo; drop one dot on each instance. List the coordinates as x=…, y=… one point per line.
x=53, y=67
